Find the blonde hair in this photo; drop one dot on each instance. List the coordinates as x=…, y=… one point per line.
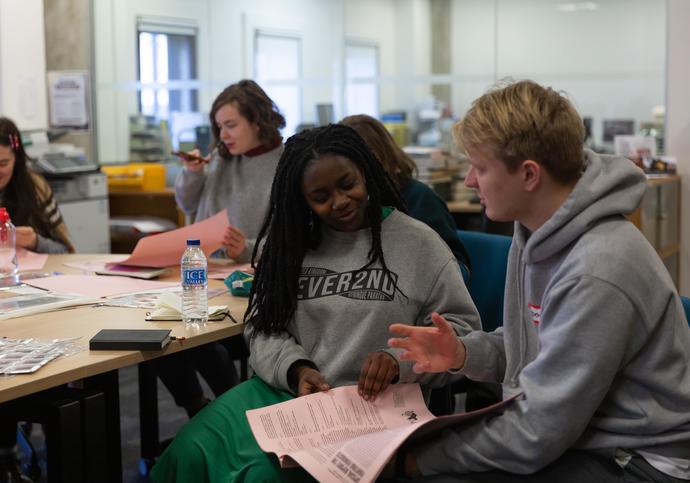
x=523, y=120
x=399, y=166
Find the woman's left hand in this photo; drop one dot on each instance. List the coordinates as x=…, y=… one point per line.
x=26, y=237
x=379, y=370
x=234, y=242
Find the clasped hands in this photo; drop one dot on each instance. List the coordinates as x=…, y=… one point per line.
x=433, y=349
x=378, y=372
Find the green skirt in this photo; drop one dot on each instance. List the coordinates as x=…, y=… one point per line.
x=218, y=446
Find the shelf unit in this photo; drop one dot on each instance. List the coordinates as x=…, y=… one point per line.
x=658, y=218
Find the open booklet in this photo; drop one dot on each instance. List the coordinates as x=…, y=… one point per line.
x=169, y=307
x=338, y=436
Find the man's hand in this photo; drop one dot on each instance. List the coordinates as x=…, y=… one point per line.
x=234, y=241
x=434, y=349
x=378, y=371
x=310, y=381
x=26, y=237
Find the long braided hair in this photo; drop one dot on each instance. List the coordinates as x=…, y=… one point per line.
x=290, y=228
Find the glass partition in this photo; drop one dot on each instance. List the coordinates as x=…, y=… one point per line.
x=416, y=64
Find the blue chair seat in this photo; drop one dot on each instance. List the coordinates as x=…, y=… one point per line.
x=489, y=256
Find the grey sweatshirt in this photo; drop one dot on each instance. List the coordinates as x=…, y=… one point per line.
x=342, y=316
x=594, y=337
x=242, y=185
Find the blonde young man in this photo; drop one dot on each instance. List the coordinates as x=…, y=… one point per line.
x=594, y=338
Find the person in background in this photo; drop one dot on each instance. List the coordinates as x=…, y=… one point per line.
x=28, y=198
x=334, y=272
x=40, y=228
x=594, y=345
x=237, y=175
x=422, y=202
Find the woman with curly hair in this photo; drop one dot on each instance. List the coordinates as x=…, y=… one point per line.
x=237, y=175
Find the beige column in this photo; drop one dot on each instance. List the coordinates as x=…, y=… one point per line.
x=69, y=45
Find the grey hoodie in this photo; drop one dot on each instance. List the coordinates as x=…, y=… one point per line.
x=242, y=185
x=594, y=337
x=343, y=314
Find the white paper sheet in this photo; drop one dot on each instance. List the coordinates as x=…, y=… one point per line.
x=338, y=436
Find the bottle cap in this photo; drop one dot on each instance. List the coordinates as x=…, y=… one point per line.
x=4, y=215
x=192, y=243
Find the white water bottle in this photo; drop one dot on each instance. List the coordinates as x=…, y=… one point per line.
x=194, y=284
x=8, y=249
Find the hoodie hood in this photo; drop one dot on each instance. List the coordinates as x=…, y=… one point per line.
x=609, y=186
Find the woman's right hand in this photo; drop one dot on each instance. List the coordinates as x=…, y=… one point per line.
x=193, y=160
x=310, y=381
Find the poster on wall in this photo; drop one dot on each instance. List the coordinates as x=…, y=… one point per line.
x=68, y=96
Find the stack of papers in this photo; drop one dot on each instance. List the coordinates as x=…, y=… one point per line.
x=95, y=286
x=24, y=300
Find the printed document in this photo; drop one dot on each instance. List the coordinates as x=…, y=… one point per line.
x=338, y=436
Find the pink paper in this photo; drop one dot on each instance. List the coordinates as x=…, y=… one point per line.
x=97, y=286
x=338, y=436
x=165, y=249
x=28, y=260
x=91, y=265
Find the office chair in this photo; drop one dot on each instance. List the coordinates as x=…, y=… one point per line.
x=489, y=256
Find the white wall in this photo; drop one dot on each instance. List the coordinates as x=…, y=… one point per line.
x=610, y=61
x=678, y=119
x=402, y=30
x=225, y=52
x=372, y=21
x=23, y=63
x=318, y=24
x=115, y=31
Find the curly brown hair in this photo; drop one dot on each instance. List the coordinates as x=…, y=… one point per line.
x=255, y=106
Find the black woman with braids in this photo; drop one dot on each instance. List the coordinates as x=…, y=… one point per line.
x=341, y=261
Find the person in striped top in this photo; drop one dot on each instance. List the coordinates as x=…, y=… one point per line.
x=28, y=197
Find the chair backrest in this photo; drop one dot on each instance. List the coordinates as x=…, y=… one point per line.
x=686, y=306
x=489, y=256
